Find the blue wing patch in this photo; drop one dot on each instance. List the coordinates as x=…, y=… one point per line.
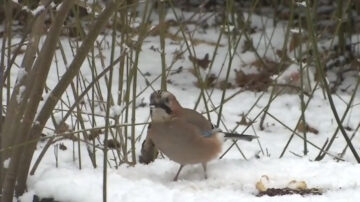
x=207, y=133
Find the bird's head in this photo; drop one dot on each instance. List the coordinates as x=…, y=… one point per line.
x=163, y=105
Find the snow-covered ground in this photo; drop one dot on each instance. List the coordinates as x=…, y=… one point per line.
x=231, y=178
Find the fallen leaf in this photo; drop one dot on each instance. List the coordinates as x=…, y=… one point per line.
x=203, y=63
x=94, y=133
x=304, y=127
x=253, y=82
x=244, y=121
x=62, y=147
x=112, y=144
x=268, y=66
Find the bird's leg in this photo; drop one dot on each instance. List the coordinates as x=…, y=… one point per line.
x=178, y=172
x=204, y=167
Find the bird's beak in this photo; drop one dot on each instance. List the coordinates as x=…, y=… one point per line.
x=154, y=101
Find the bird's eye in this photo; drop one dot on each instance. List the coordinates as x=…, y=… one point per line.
x=167, y=99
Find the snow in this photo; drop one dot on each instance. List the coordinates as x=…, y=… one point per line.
x=116, y=110
x=301, y=3
x=38, y=10
x=231, y=178
x=34, y=12
x=295, y=30
x=6, y=163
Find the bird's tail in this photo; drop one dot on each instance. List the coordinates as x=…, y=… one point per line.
x=239, y=136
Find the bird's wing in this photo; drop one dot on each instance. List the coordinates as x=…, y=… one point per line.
x=197, y=120
x=183, y=142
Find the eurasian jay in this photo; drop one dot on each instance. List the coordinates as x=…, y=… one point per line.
x=182, y=134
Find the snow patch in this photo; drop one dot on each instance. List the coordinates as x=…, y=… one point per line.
x=6, y=163
x=295, y=30
x=301, y=3
x=38, y=10
x=116, y=110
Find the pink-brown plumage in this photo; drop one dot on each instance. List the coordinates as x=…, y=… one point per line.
x=183, y=142
x=183, y=135
x=179, y=132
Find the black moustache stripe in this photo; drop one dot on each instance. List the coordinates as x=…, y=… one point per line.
x=164, y=107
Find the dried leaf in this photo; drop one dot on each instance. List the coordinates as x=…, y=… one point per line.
x=304, y=127
x=203, y=63
x=244, y=121
x=247, y=46
x=268, y=66
x=94, y=133
x=63, y=128
x=296, y=40
x=62, y=147
x=253, y=82
x=112, y=144
x=224, y=85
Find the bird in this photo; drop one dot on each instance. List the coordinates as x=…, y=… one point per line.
x=183, y=135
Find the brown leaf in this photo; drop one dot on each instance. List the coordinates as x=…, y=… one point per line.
x=224, y=85
x=62, y=147
x=112, y=144
x=296, y=40
x=94, y=133
x=203, y=63
x=304, y=127
x=253, y=82
x=244, y=121
x=63, y=128
x=211, y=81
x=267, y=66
x=247, y=46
